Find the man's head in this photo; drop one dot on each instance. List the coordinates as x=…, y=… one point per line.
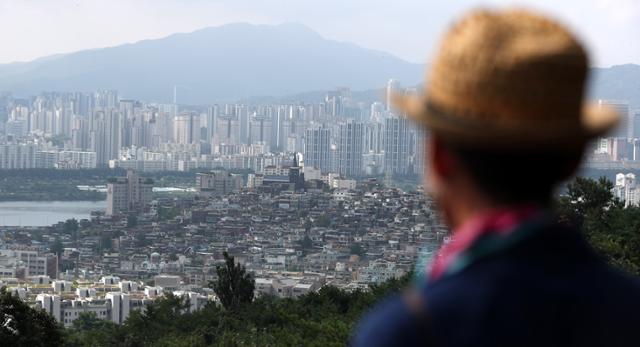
x=504, y=105
x=460, y=177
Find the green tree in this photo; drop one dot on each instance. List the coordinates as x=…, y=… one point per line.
x=234, y=285
x=70, y=226
x=87, y=321
x=21, y=325
x=164, y=316
x=57, y=247
x=322, y=318
x=306, y=242
x=611, y=228
x=308, y=225
x=587, y=198
x=89, y=330
x=167, y=213
x=323, y=221
x=356, y=249
x=106, y=243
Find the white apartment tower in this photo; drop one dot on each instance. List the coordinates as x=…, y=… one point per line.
x=626, y=189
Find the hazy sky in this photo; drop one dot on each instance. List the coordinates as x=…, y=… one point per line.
x=406, y=28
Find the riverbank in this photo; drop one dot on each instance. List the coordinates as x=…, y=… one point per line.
x=62, y=185
x=46, y=213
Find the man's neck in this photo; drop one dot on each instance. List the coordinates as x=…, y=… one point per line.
x=462, y=213
x=465, y=207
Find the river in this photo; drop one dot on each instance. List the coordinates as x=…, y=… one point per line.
x=43, y=213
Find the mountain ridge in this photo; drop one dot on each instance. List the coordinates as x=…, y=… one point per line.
x=618, y=82
x=240, y=61
x=228, y=62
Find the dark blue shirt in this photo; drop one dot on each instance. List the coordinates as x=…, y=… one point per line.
x=550, y=289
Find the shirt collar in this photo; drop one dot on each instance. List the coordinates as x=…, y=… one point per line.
x=497, y=221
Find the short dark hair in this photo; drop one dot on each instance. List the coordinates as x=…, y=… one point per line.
x=517, y=176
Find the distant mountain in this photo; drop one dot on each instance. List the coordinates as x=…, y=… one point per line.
x=249, y=62
x=215, y=64
x=620, y=82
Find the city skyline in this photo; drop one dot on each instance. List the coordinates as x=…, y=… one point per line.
x=100, y=129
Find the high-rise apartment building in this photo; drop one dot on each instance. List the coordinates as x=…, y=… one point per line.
x=128, y=194
x=374, y=137
x=106, y=99
x=634, y=124
x=213, y=112
x=242, y=115
x=16, y=128
x=186, y=128
x=228, y=129
x=278, y=135
x=350, y=148
x=396, y=145
x=318, y=149
x=259, y=130
x=106, y=132
x=418, y=138
x=393, y=87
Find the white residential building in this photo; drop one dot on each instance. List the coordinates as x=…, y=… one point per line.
x=18, y=155
x=626, y=189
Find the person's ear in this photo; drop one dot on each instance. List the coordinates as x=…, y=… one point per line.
x=441, y=161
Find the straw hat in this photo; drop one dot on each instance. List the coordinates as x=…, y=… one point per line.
x=508, y=79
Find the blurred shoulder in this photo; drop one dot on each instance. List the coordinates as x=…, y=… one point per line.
x=395, y=321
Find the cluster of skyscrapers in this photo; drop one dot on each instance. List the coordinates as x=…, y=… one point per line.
x=86, y=130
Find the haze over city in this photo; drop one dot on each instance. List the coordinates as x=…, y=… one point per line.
x=281, y=173
x=408, y=29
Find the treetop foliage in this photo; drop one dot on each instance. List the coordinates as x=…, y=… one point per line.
x=234, y=285
x=20, y=325
x=611, y=228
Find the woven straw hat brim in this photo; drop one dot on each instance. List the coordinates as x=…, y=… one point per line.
x=596, y=120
